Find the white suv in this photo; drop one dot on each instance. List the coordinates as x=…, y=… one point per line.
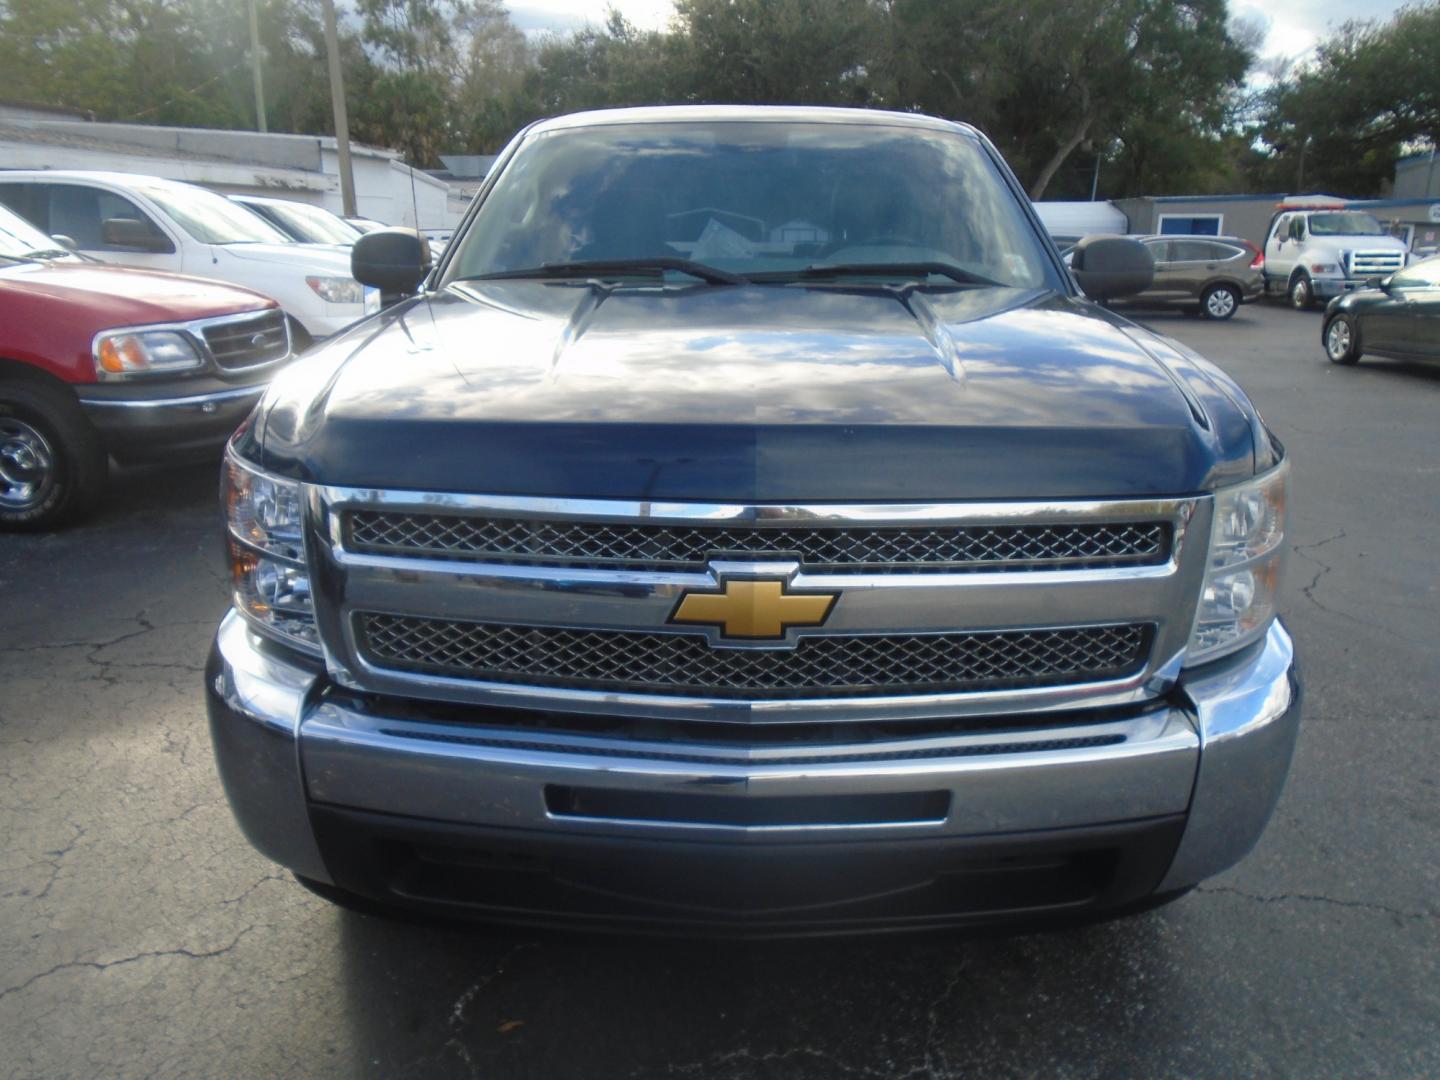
x=166, y=225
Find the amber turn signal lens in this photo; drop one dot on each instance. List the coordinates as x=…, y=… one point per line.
x=121, y=354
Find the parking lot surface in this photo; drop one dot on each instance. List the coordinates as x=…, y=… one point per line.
x=141, y=936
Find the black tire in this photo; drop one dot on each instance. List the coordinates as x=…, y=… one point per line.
x=53, y=465
x=1219, y=302
x=1342, y=340
x=1302, y=293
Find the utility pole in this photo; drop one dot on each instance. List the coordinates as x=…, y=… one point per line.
x=255, y=68
x=342, y=122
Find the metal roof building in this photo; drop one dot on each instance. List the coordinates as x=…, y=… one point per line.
x=300, y=167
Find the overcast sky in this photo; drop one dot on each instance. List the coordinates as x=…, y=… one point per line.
x=1294, y=26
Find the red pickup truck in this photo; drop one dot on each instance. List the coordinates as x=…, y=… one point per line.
x=98, y=361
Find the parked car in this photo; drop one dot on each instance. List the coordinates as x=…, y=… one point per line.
x=302, y=222
x=365, y=224
x=102, y=360
x=1213, y=275
x=1396, y=316
x=165, y=225
x=749, y=522
x=1318, y=252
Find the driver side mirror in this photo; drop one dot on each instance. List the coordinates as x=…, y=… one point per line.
x=1111, y=266
x=395, y=261
x=66, y=242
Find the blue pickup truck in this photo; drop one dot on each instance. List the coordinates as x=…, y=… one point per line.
x=751, y=525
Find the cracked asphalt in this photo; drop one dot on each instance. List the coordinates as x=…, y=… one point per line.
x=140, y=935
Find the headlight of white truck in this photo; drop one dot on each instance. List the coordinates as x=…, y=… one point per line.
x=1247, y=557
x=337, y=290
x=271, y=585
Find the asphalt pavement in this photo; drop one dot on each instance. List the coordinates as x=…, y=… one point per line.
x=141, y=936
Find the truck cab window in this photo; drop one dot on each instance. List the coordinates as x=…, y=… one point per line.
x=81, y=212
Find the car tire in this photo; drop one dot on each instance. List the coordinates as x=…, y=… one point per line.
x=1342, y=340
x=1219, y=302
x=53, y=465
x=1302, y=293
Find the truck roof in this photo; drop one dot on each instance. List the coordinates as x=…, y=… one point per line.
x=682, y=114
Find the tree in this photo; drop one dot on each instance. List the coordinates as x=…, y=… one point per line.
x=1340, y=122
x=817, y=52
x=1046, y=78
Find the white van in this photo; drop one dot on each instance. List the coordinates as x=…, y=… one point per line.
x=167, y=225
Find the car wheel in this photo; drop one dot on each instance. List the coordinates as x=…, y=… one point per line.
x=52, y=464
x=1219, y=302
x=1342, y=340
x=1302, y=295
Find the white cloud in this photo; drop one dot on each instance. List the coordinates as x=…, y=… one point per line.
x=1297, y=26
x=562, y=16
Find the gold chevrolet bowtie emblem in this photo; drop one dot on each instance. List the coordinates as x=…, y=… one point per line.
x=754, y=609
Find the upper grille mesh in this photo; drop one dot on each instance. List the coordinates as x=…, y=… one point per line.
x=850, y=665
x=243, y=343
x=850, y=547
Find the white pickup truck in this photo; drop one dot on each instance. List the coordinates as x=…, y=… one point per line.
x=1316, y=252
x=166, y=225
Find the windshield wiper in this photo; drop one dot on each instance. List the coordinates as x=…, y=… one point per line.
x=821, y=271
x=49, y=253
x=599, y=268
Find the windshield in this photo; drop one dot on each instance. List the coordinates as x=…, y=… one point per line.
x=211, y=218
x=753, y=198
x=1348, y=224
x=312, y=224
x=19, y=239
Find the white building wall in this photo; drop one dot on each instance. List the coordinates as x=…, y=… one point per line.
x=306, y=169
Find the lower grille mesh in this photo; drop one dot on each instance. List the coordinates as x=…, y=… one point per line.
x=836, y=665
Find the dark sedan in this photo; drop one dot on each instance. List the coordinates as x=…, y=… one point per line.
x=1214, y=274
x=1399, y=318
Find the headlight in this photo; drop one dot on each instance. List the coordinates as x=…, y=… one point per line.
x=147, y=352
x=264, y=518
x=1247, y=556
x=337, y=290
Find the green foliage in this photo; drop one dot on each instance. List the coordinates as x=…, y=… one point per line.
x=1339, y=123
x=1151, y=90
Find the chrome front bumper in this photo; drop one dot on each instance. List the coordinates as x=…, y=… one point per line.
x=1213, y=755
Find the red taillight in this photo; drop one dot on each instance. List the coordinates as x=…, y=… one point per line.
x=1258, y=262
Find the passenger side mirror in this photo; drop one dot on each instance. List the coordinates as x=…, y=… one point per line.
x=121, y=232
x=395, y=261
x=1111, y=266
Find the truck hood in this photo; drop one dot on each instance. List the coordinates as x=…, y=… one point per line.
x=324, y=258
x=105, y=296
x=1358, y=243
x=755, y=393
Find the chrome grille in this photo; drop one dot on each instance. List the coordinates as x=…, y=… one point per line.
x=849, y=665
x=248, y=341
x=837, y=548
x=1375, y=263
